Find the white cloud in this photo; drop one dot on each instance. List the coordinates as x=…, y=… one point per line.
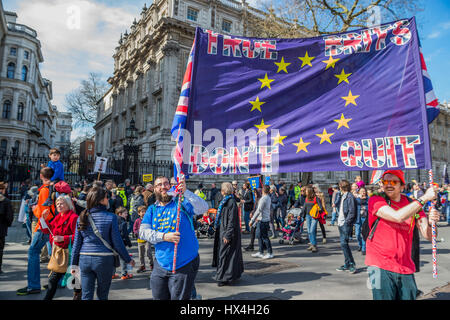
x=434, y=35
x=70, y=53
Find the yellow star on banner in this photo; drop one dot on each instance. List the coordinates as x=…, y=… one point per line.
x=331, y=62
x=256, y=104
x=342, y=122
x=262, y=127
x=306, y=60
x=265, y=82
x=343, y=76
x=325, y=136
x=278, y=139
x=282, y=65
x=301, y=145
x=350, y=98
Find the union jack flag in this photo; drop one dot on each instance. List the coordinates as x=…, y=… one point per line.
x=431, y=101
x=179, y=121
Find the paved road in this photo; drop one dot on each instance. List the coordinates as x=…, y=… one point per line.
x=293, y=274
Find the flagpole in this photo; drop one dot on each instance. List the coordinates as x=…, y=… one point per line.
x=175, y=249
x=433, y=231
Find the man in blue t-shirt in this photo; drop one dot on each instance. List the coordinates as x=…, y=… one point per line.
x=159, y=228
x=58, y=169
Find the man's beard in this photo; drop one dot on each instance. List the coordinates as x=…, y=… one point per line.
x=163, y=198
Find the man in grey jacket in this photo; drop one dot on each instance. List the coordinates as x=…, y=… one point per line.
x=262, y=219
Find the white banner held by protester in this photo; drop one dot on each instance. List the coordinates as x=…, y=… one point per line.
x=100, y=164
x=44, y=225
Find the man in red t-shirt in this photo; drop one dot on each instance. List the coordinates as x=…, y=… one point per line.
x=391, y=268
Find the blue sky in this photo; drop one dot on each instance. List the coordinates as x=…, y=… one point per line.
x=71, y=53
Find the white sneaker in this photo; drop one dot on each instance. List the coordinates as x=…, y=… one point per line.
x=257, y=255
x=268, y=256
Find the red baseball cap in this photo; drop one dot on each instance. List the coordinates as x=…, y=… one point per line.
x=398, y=173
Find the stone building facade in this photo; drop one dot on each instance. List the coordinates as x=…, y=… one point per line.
x=27, y=120
x=63, y=132
x=149, y=65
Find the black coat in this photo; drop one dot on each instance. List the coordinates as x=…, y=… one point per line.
x=248, y=200
x=6, y=215
x=230, y=264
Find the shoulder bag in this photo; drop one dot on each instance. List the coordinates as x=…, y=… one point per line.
x=106, y=244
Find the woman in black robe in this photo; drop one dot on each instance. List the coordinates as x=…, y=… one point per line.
x=230, y=264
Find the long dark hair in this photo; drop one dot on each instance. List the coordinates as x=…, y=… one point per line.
x=93, y=199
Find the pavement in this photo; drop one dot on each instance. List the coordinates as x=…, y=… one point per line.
x=293, y=274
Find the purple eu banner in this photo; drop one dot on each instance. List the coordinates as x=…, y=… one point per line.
x=350, y=101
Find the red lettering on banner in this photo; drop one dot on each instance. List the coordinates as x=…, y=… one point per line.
x=247, y=51
x=266, y=153
x=401, y=33
x=390, y=152
x=219, y=160
x=352, y=42
x=198, y=159
x=409, y=154
x=369, y=158
x=212, y=42
x=367, y=40
x=239, y=161
x=381, y=33
x=231, y=46
x=333, y=45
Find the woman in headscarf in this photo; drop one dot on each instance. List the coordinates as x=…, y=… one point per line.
x=230, y=265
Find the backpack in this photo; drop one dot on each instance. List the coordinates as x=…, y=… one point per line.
x=367, y=233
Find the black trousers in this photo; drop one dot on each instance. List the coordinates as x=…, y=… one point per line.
x=53, y=280
x=2, y=246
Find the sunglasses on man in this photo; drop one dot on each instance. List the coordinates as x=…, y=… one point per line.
x=391, y=182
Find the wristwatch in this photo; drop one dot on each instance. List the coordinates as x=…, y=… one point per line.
x=422, y=203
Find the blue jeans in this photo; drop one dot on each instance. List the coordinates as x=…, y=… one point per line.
x=28, y=227
x=333, y=216
x=344, y=234
x=39, y=240
x=179, y=286
x=92, y=269
x=447, y=212
x=312, y=229
x=247, y=220
x=359, y=238
x=262, y=233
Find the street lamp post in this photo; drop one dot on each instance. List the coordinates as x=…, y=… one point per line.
x=131, y=148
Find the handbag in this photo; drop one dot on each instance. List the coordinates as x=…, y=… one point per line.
x=315, y=210
x=68, y=273
x=59, y=260
x=105, y=243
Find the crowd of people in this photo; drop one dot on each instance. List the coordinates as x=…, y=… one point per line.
x=84, y=230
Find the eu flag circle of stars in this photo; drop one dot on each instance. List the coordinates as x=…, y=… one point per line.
x=325, y=136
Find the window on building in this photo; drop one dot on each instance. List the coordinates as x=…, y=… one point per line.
x=26, y=55
x=90, y=147
x=11, y=70
x=20, y=110
x=158, y=111
x=192, y=14
x=4, y=146
x=226, y=25
x=24, y=73
x=175, y=7
x=161, y=70
x=16, y=148
x=62, y=137
x=213, y=18
x=13, y=51
x=89, y=157
x=6, y=109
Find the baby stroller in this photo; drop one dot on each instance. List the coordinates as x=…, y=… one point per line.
x=206, y=226
x=291, y=230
